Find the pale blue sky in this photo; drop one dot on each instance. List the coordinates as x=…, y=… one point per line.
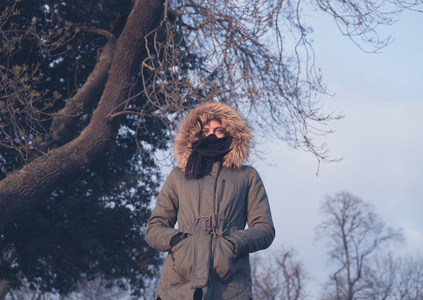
x=381, y=96
x=380, y=139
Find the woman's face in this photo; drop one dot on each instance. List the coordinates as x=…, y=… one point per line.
x=214, y=127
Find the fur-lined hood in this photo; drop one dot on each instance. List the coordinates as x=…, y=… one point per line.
x=234, y=124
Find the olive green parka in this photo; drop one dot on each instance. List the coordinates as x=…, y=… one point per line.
x=212, y=213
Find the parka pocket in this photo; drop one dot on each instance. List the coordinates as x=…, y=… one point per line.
x=224, y=261
x=182, y=259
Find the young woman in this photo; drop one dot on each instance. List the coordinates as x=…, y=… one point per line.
x=212, y=195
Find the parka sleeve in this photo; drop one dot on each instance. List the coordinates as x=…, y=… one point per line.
x=160, y=227
x=260, y=232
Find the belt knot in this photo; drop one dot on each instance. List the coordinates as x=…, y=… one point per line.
x=210, y=224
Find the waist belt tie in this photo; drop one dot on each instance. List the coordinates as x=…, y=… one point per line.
x=210, y=224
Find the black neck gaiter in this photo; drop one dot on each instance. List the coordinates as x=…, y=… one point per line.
x=205, y=152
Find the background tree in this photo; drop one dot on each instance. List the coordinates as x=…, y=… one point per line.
x=396, y=277
x=355, y=236
x=92, y=224
x=278, y=275
x=410, y=282
x=91, y=89
x=235, y=52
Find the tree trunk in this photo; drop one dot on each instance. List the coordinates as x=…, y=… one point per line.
x=22, y=189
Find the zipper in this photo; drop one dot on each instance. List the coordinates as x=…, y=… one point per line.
x=200, y=196
x=216, y=207
x=222, y=190
x=215, y=210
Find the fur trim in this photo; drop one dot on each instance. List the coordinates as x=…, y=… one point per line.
x=235, y=126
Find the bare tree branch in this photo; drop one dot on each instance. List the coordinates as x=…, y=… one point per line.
x=24, y=188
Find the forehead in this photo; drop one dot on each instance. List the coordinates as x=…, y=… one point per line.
x=213, y=123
